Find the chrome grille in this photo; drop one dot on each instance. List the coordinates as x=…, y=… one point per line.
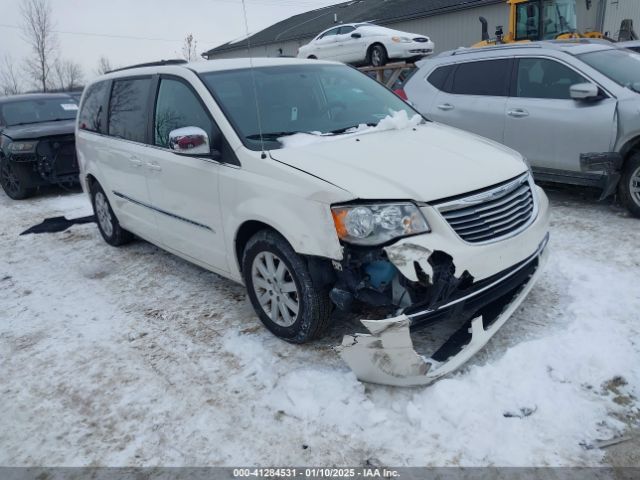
x=495, y=214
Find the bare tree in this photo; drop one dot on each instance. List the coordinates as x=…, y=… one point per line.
x=10, y=82
x=104, y=66
x=38, y=31
x=189, y=48
x=68, y=75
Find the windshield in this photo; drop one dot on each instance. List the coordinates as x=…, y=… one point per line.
x=621, y=66
x=319, y=99
x=37, y=111
x=558, y=17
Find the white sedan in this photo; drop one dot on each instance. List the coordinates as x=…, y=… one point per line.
x=365, y=43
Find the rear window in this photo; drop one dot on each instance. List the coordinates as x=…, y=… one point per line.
x=440, y=76
x=128, y=111
x=485, y=78
x=91, y=116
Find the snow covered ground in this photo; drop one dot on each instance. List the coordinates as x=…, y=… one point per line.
x=130, y=357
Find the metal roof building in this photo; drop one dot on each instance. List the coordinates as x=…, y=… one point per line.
x=450, y=23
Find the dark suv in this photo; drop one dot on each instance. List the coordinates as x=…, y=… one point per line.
x=37, y=144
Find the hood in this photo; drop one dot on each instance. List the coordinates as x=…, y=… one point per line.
x=33, y=131
x=430, y=162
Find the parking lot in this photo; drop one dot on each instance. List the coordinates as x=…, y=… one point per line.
x=132, y=356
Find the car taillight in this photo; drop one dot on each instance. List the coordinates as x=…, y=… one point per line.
x=401, y=93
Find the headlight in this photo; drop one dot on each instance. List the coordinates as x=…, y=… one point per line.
x=22, y=147
x=401, y=39
x=377, y=224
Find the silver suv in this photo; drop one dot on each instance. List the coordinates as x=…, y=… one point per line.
x=571, y=108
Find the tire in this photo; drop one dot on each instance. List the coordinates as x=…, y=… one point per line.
x=108, y=224
x=11, y=183
x=629, y=187
x=272, y=270
x=312, y=57
x=378, y=56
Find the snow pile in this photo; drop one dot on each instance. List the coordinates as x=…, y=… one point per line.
x=539, y=404
x=133, y=356
x=397, y=120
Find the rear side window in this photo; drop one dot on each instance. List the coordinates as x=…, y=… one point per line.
x=91, y=116
x=543, y=78
x=440, y=76
x=128, y=109
x=486, y=78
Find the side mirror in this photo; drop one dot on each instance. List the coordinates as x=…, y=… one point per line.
x=584, y=91
x=189, y=141
x=356, y=35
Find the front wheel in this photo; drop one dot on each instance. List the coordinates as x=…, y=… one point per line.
x=281, y=289
x=11, y=182
x=629, y=188
x=108, y=224
x=378, y=56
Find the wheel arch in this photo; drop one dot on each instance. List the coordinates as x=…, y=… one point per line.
x=377, y=43
x=244, y=233
x=630, y=148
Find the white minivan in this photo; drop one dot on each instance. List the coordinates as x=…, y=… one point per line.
x=318, y=189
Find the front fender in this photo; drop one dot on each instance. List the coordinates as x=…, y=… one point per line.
x=306, y=225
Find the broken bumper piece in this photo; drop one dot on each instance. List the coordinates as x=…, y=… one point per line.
x=386, y=356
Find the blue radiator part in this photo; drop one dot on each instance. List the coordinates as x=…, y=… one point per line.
x=380, y=274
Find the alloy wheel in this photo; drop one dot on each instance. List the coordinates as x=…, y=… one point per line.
x=376, y=57
x=104, y=214
x=10, y=181
x=275, y=289
x=634, y=186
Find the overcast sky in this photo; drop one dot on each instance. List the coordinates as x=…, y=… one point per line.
x=93, y=26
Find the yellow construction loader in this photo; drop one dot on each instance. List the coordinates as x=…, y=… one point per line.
x=533, y=20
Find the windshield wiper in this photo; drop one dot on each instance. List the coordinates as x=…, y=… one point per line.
x=634, y=87
x=271, y=135
x=340, y=131
x=40, y=121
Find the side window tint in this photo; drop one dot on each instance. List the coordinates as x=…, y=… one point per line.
x=543, y=78
x=345, y=30
x=440, y=76
x=128, y=109
x=178, y=107
x=487, y=78
x=92, y=114
x=330, y=33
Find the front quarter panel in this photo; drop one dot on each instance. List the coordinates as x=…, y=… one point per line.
x=628, y=123
x=294, y=203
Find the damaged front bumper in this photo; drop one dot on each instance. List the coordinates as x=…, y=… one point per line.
x=386, y=356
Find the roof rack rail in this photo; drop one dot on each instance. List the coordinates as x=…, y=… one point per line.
x=159, y=63
x=462, y=51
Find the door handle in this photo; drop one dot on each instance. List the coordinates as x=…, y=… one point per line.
x=154, y=166
x=518, y=113
x=446, y=107
x=135, y=161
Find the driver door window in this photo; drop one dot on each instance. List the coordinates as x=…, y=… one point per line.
x=544, y=78
x=178, y=107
